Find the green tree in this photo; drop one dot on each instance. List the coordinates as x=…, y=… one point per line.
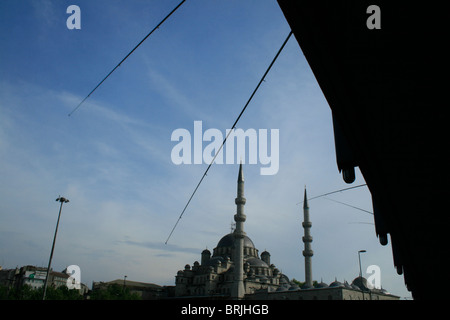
x=114, y=292
x=28, y=293
x=61, y=293
x=300, y=284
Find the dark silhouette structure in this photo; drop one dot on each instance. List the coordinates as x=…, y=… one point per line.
x=385, y=89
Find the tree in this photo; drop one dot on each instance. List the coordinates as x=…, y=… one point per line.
x=114, y=292
x=300, y=284
x=28, y=293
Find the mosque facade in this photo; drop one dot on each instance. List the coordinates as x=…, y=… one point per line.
x=236, y=270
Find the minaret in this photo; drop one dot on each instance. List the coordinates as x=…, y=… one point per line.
x=238, y=290
x=307, y=239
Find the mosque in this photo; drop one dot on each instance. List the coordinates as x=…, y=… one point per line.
x=236, y=270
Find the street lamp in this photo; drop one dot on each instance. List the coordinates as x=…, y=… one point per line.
x=360, y=270
x=359, y=257
x=61, y=200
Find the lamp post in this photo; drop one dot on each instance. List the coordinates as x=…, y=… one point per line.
x=61, y=200
x=360, y=270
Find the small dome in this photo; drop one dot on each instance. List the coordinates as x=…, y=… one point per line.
x=284, y=279
x=256, y=262
x=305, y=286
x=206, y=251
x=322, y=285
x=336, y=284
x=265, y=253
x=360, y=283
x=283, y=288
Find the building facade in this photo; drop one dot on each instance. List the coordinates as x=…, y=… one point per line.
x=34, y=277
x=235, y=268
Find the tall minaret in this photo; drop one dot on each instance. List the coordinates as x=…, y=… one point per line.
x=238, y=290
x=307, y=239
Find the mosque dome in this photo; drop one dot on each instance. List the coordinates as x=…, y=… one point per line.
x=284, y=280
x=361, y=283
x=228, y=241
x=322, y=285
x=336, y=283
x=305, y=286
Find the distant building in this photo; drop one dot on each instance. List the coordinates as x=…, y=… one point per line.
x=335, y=291
x=147, y=291
x=34, y=277
x=235, y=270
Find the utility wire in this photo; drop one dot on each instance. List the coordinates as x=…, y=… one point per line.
x=326, y=194
x=361, y=223
x=118, y=65
x=234, y=125
x=346, y=204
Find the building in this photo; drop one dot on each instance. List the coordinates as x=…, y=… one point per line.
x=358, y=290
x=146, y=291
x=236, y=270
x=34, y=277
x=27, y=275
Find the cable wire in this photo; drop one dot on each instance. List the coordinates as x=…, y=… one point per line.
x=349, y=205
x=234, y=125
x=118, y=65
x=326, y=194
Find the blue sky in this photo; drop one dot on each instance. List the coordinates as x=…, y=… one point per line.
x=112, y=157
